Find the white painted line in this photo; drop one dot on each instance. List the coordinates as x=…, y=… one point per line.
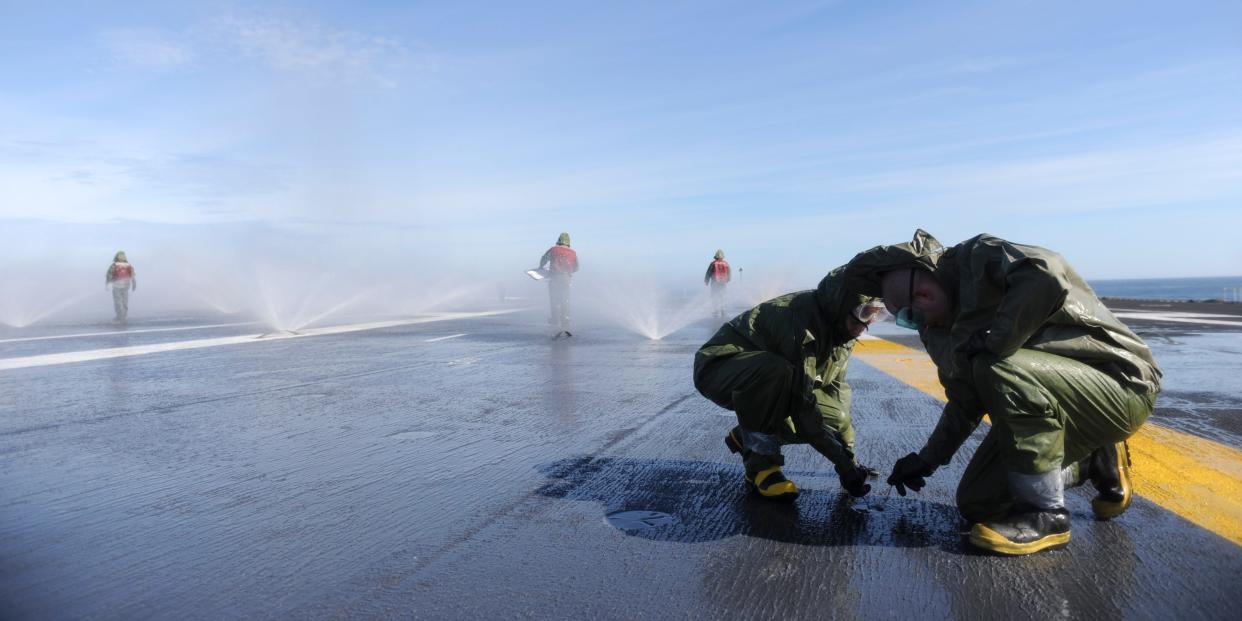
x=119, y=332
x=1177, y=318
x=140, y=350
x=1178, y=314
x=444, y=338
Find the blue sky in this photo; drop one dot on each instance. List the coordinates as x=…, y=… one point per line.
x=791, y=134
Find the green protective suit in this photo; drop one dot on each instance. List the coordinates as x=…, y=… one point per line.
x=781, y=368
x=1059, y=374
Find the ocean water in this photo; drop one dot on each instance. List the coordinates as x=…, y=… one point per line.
x=1227, y=288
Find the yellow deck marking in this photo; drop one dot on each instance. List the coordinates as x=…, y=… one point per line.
x=1198, y=479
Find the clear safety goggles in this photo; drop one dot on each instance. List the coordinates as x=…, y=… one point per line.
x=869, y=313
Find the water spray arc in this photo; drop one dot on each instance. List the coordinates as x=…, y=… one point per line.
x=19, y=310
x=287, y=307
x=644, y=308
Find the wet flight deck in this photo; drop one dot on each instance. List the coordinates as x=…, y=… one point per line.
x=465, y=466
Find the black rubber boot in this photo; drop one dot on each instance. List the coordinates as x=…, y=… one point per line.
x=764, y=476
x=1109, y=471
x=1025, y=530
x=733, y=440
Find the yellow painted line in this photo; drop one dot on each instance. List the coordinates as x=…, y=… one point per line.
x=1198, y=479
x=907, y=364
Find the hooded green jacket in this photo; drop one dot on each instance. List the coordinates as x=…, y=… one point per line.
x=1023, y=297
x=806, y=329
x=120, y=258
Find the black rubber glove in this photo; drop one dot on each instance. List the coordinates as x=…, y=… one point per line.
x=854, y=481
x=910, y=471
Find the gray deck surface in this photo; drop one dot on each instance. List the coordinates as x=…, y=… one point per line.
x=378, y=475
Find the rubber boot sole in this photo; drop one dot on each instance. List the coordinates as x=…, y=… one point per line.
x=733, y=441
x=985, y=538
x=1108, y=509
x=782, y=497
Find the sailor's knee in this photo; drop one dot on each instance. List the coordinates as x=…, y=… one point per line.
x=774, y=371
x=702, y=372
x=987, y=367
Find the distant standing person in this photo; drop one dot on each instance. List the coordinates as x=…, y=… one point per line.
x=121, y=280
x=717, y=277
x=560, y=261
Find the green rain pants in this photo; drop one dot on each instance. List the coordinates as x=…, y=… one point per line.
x=1047, y=412
x=120, y=300
x=558, y=298
x=718, y=299
x=760, y=388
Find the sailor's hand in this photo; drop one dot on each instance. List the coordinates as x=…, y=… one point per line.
x=854, y=480
x=910, y=471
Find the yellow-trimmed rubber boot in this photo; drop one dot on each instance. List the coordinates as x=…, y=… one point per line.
x=734, y=441
x=1023, y=531
x=764, y=476
x=1110, y=474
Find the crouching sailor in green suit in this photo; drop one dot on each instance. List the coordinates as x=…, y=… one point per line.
x=1016, y=333
x=781, y=368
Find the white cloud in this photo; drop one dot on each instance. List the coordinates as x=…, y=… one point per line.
x=146, y=48
x=959, y=68
x=312, y=50
x=204, y=176
x=282, y=45
x=80, y=172
x=1114, y=177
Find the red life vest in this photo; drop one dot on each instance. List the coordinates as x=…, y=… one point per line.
x=720, y=270
x=122, y=272
x=563, y=261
